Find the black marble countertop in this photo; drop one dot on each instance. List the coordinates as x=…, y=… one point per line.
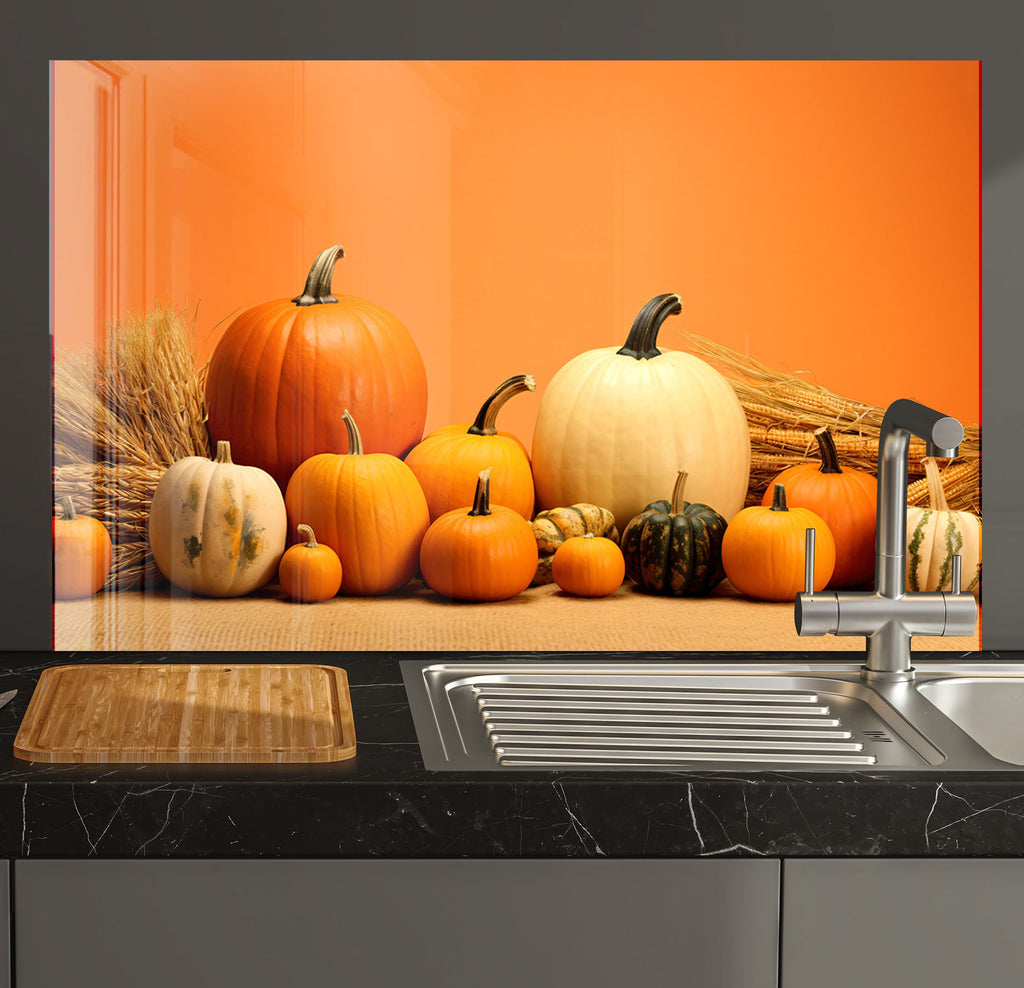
x=384, y=803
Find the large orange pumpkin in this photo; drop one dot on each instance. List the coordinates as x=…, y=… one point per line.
x=846, y=499
x=282, y=368
x=448, y=462
x=368, y=507
x=486, y=552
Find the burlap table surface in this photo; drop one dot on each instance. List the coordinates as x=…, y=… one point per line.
x=415, y=619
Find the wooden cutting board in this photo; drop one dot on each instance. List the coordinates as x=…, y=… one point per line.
x=188, y=713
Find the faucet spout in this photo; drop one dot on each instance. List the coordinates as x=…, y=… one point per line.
x=943, y=436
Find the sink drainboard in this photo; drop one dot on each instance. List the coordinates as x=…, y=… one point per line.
x=530, y=725
x=654, y=717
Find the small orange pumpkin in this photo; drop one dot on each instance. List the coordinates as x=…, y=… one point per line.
x=368, y=507
x=310, y=572
x=448, y=462
x=763, y=550
x=845, y=499
x=585, y=566
x=82, y=552
x=485, y=553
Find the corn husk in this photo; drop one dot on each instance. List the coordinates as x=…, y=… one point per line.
x=783, y=411
x=123, y=411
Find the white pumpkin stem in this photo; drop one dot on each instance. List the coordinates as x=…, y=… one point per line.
x=355, y=441
x=318, y=281
x=307, y=533
x=69, y=508
x=643, y=334
x=223, y=451
x=936, y=494
x=482, y=496
x=484, y=423
x=677, y=493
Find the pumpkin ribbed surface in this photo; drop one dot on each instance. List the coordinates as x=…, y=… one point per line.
x=675, y=548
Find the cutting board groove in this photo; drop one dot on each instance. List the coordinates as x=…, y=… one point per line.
x=225, y=712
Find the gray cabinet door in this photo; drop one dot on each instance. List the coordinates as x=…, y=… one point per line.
x=397, y=923
x=887, y=922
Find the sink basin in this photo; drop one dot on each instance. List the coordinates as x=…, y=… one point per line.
x=989, y=709
x=753, y=715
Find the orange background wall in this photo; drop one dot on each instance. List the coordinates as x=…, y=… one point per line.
x=821, y=216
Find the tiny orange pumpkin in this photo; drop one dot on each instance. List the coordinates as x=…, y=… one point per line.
x=310, y=572
x=585, y=566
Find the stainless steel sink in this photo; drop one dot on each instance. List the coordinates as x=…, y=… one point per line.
x=990, y=710
x=645, y=715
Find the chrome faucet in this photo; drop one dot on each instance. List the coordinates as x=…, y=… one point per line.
x=889, y=616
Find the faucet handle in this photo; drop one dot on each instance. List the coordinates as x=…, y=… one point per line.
x=954, y=581
x=809, y=561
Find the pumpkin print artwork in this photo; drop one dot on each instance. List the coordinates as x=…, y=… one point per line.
x=282, y=368
x=448, y=462
x=217, y=528
x=82, y=553
x=368, y=507
x=615, y=423
x=486, y=552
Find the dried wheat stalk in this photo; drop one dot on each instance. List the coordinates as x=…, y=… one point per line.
x=123, y=411
x=783, y=411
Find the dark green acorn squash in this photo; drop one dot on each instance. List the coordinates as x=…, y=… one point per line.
x=675, y=548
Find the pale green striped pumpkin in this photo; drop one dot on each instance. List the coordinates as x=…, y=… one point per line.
x=935, y=534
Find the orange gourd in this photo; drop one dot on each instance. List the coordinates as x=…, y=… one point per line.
x=486, y=552
x=449, y=460
x=845, y=499
x=585, y=566
x=82, y=553
x=282, y=368
x=368, y=507
x=310, y=572
x=763, y=550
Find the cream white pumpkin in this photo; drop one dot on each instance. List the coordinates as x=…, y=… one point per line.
x=615, y=425
x=935, y=534
x=215, y=527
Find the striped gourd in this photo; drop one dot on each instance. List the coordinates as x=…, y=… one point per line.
x=935, y=534
x=675, y=548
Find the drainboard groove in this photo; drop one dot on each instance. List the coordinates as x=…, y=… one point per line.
x=548, y=724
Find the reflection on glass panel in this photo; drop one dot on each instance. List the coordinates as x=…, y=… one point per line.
x=762, y=233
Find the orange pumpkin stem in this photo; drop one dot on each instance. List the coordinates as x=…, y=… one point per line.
x=223, y=451
x=936, y=495
x=484, y=423
x=69, y=508
x=779, y=498
x=318, y=281
x=307, y=533
x=829, y=453
x=482, y=496
x=355, y=441
x=677, y=494
x=643, y=335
